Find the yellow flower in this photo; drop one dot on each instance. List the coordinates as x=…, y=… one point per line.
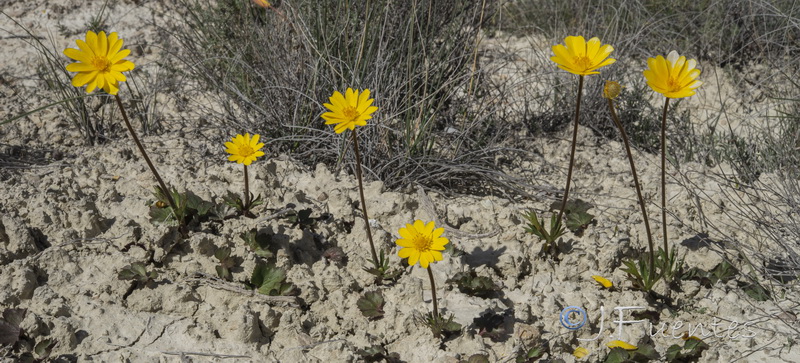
x=611, y=90
x=100, y=62
x=621, y=344
x=674, y=76
x=243, y=149
x=581, y=57
x=603, y=281
x=262, y=3
x=421, y=242
x=580, y=352
x=349, y=110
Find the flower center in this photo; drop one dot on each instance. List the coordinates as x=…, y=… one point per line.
x=246, y=150
x=583, y=62
x=350, y=113
x=673, y=84
x=101, y=63
x=422, y=243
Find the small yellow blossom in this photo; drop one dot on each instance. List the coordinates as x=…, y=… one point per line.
x=262, y=3
x=621, y=344
x=673, y=76
x=611, y=90
x=347, y=111
x=243, y=149
x=421, y=242
x=580, y=352
x=101, y=61
x=581, y=57
x=603, y=281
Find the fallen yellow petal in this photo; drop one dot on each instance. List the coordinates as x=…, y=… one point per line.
x=603, y=281
x=621, y=344
x=580, y=352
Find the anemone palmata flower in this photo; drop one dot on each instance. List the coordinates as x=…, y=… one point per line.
x=347, y=111
x=421, y=243
x=673, y=76
x=101, y=61
x=244, y=149
x=581, y=57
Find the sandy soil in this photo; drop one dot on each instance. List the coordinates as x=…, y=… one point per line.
x=73, y=220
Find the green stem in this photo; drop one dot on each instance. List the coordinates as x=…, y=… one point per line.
x=572, y=152
x=161, y=183
x=433, y=294
x=636, y=183
x=664, y=173
x=363, y=200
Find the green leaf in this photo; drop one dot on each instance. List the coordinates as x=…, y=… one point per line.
x=673, y=352
x=371, y=305
x=222, y=253
x=617, y=355
x=161, y=215
x=139, y=269
x=647, y=351
x=223, y=273
x=43, y=348
x=268, y=279
x=577, y=221
x=472, y=284
x=126, y=274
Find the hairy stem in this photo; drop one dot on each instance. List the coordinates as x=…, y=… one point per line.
x=246, y=200
x=364, y=200
x=163, y=186
x=664, y=173
x=636, y=183
x=433, y=295
x=572, y=152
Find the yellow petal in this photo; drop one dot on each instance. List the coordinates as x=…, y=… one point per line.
x=603, y=281
x=621, y=344
x=580, y=352
x=102, y=44
x=81, y=79
x=80, y=67
x=78, y=55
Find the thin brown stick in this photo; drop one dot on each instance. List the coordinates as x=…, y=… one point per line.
x=161, y=183
x=363, y=200
x=664, y=174
x=433, y=294
x=636, y=183
x=572, y=152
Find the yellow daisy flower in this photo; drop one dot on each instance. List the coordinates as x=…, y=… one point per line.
x=101, y=61
x=349, y=110
x=581, y=57
x=674, y=76
x=243, y=149
x=421, y=242
x=621, y=344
